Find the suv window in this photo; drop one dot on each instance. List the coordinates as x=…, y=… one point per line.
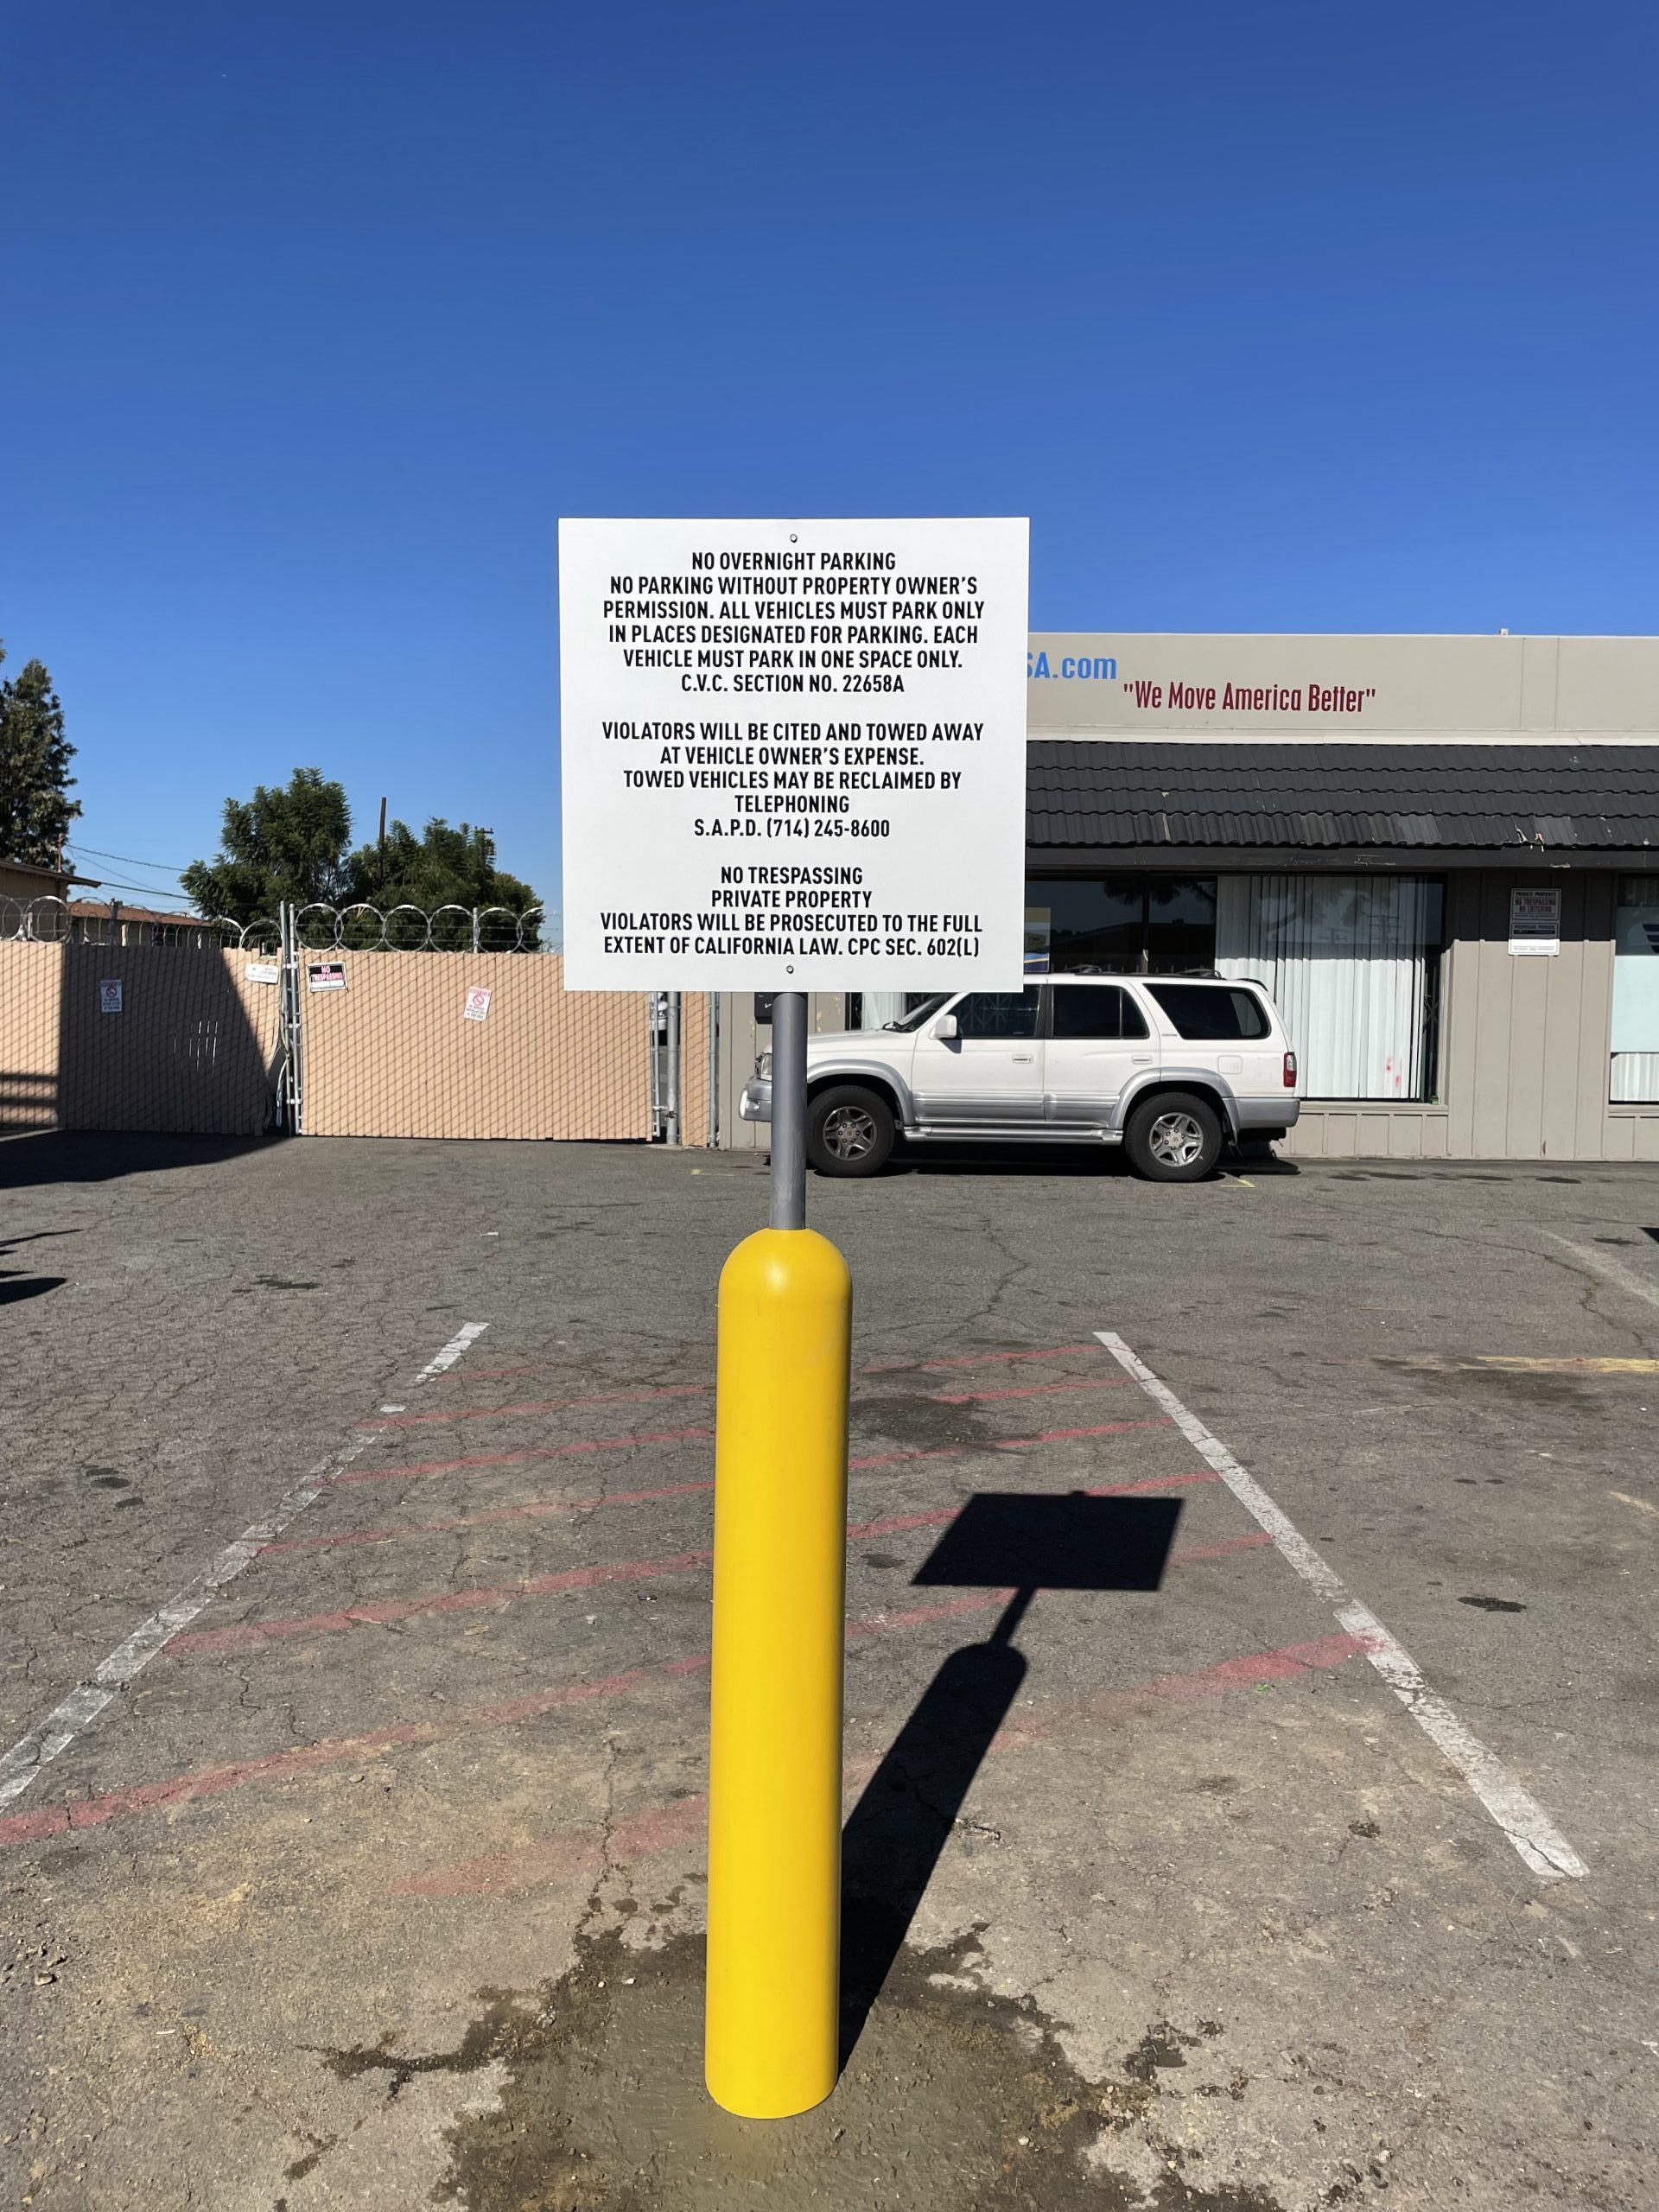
x=1211, y=1012
x=998, y=1014
x=1096, y=1010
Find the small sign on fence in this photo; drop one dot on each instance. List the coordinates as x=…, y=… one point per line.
x=325, y=974
x=478, y=1003
x=262, y=972
x=108, y=996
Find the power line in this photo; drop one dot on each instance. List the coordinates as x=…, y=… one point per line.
x=150, y=891
x=131, y=859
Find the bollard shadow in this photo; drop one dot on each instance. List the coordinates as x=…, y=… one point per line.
x=894, y=1836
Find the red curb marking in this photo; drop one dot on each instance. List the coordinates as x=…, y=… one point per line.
x=536, y=1509
x=210, y=1782
x=528, y=1452
x=970, y=1359
x=689, y=1435
x=538, y=1406
x=1031, y=1391
x=701, y=1389
x=339, y=1750
x=382, y=1611
x=1006, y=1443
x=659, y=1827
x=550, y=1507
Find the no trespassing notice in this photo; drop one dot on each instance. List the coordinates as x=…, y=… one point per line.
x=793, y=754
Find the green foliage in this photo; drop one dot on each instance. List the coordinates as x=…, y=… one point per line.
x=35, y=808
x=444, y=866
x=291, y=842
x=286, y=842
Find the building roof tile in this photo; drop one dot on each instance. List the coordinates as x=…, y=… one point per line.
x=1108, y=792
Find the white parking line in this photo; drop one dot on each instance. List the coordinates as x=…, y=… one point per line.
x=1528, y=1827
x=54, y=1735
x=1615, y=1271
x=468, y=1333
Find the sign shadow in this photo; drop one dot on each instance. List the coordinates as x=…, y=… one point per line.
x=894, y=1836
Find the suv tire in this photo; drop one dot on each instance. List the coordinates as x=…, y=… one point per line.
x=849, y=1130
x=1174, y=1137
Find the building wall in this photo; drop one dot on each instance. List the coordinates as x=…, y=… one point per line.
x=1524, y=1043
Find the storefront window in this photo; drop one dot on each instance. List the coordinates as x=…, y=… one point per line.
x=1353, y=964
x=1635, y=1074
x=1122, y=924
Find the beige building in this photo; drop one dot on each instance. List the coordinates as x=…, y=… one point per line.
x=1440, y=854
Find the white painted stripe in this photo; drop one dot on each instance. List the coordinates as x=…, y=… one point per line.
x=54, y=1735
x=1528, y=1827
x=468, y=1333
x=1615, y=1271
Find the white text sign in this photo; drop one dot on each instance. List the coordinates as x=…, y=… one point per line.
x=794, y=754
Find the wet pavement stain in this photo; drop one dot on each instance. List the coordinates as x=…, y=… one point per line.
x=954, y=2101
x=906, y=1420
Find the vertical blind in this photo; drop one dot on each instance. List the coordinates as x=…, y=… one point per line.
x=1346, y=958
x=1635, y=1075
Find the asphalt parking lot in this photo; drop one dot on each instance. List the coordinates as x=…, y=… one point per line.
x=1308, y=1862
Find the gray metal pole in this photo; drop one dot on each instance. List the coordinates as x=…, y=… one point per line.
x=673, y=1130
x=789, y=1110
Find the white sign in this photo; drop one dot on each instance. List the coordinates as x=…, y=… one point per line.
x=478, y=1003
x=325, y=974
x=1535, y=921
x=793, y=754
x=108, y=996
x=261, y=972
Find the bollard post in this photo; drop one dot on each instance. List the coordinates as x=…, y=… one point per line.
x=771, y=2043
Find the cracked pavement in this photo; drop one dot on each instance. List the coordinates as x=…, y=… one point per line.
x=300, y=1919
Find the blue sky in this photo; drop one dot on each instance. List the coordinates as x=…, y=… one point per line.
x=316, y=317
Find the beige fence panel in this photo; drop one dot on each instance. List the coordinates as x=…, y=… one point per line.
x=694, y=1068
x=150, y=1037
x=29, y=976
x=394, y=1055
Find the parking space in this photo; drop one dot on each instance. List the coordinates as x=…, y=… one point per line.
x=1300, y=1856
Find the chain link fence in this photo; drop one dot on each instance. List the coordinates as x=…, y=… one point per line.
x=336, y=1022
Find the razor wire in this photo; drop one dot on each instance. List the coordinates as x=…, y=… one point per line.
x=319, y=927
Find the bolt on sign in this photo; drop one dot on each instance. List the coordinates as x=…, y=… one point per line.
x=793, y=754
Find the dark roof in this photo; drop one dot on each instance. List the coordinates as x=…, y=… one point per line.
x=1106, y=792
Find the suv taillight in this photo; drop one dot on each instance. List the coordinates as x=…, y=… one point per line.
x=1290, y=1070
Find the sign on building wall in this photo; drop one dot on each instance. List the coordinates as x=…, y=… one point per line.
x=793, y=754
x=1535, y=921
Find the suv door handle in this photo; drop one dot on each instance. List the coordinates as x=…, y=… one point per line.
x=1140, y=1059
x=1024, y=1059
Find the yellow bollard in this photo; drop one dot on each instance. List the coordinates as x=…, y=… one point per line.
x=774, y=1784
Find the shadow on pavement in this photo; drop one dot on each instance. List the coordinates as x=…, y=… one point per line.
x=894, y=1835
x=75, y=1156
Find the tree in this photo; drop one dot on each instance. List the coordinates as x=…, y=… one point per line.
x=444, y=866
x=286, y=842
x=35, y=808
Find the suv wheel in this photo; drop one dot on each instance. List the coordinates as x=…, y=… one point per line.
x=849, y=1131
x=1173, y=1138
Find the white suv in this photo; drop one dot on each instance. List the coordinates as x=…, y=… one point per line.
x=1171, y=1067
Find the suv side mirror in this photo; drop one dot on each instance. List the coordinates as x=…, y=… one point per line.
x=945, y=1027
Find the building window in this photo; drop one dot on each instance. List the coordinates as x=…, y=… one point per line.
x=1119, y=925
x=1634, y=1073
x=1353, y=964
